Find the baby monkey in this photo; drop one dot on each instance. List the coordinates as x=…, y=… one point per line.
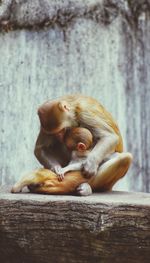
x=79, y=141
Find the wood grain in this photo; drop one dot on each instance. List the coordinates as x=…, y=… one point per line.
x=104, y=227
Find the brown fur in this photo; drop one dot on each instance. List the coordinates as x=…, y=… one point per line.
x=46, y=182
x=73, y=111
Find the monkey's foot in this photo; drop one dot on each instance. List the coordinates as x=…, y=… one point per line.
x=84, y=189
x=16, y=189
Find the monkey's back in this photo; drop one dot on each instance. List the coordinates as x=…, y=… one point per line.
x=90, y=109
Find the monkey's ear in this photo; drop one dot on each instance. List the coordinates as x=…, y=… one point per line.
x=81, y=147
x=63, y=106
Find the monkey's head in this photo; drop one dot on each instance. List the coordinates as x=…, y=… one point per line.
x=78, y=139
x=55, y=117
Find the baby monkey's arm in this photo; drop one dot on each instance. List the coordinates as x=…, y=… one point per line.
x=72, y=166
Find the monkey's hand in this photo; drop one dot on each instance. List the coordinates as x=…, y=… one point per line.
x=89, y=167
x=59, y=171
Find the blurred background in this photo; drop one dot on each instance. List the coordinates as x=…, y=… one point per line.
x=94, y=47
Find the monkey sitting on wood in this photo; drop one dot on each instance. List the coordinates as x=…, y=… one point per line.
x=74, y=111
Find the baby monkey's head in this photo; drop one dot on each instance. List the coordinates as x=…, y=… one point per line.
x=78, y=139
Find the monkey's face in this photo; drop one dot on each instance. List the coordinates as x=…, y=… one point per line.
x=55, y=117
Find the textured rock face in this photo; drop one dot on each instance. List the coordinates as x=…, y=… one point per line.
x=49, y=48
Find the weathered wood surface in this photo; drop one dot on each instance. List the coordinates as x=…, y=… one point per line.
x=108, y=227
x=96, y=47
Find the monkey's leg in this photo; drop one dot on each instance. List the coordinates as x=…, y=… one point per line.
x=111, y=171
x=25, y=181
x=68, y=185
x=46, y=181
x=35, y=178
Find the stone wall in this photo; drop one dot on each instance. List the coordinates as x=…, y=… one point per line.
x=49, y=48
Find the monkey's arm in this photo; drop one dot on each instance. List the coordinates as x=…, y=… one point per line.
x=73, y=166
x=43, y=151
x=104, y=146
x=106, y=139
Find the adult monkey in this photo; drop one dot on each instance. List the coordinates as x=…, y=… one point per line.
x=78, y=110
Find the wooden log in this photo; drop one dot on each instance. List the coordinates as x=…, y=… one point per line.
x=105, y=227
